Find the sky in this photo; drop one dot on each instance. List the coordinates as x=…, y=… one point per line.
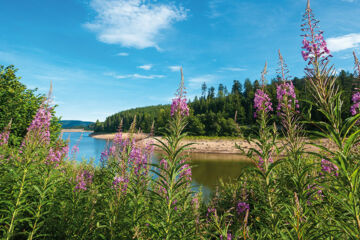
x=104, y=56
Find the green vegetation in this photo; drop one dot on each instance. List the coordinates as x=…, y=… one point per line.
x=19, y=105
x=215, y=114
x=76, y=124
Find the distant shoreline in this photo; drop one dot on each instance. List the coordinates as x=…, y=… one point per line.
x=205, y=146
x=75, y=130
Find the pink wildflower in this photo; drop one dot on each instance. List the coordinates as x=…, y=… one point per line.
x=329, y=167
x=39, y=129
x=314, y=44
x=356, y=103
x=242, y=207
x=180, y=106
x=84, y=180
x=121, y=183
x=164, y=163
x=57, y=154
x=286, y=97
x=186, y=172
x=4, y=136
x=262, y=102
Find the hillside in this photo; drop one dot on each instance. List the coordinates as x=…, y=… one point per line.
x=66, y=124
x=221, y=112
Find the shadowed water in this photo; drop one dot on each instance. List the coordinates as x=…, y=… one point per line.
x=207, y=168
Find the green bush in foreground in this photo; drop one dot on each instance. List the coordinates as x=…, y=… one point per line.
x=18, y=105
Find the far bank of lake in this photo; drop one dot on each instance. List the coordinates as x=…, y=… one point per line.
x=214, y=145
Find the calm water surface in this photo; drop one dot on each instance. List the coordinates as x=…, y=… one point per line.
x=207, y=168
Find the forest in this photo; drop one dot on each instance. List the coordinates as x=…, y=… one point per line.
x=222, y=112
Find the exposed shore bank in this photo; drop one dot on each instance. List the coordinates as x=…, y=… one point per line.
x=207, y=146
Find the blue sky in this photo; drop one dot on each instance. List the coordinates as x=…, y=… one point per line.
x=104, y=56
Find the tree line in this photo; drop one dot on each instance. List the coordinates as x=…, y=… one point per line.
x=221, y=112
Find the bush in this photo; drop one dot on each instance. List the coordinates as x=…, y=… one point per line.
x=19, y=105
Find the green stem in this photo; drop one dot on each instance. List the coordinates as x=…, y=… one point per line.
x=12, y=224
x=38, y=212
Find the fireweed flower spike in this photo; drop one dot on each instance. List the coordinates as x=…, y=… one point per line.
x=356, y=96
x=121, y=183
x=38, y=133
x=314, y=46
x=263, y=105
x=179, y=105
x=39, y=129
x=285, y=92
x=4, y=136
x=329, y=167
x=320, y=78
x=242, y=207
x=262, y=102
x=57, y=154
x=84, y=180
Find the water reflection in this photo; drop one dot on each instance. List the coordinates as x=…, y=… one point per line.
x=207, y=168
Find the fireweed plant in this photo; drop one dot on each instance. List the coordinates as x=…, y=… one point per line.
x=174, y=213
x=291, y=192
x=28, y=178
x=265, y=169
x=342, y=188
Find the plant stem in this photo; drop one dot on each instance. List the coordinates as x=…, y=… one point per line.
x=12, y=224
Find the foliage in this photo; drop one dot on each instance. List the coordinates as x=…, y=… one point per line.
x=19, y=105
x=219, y=115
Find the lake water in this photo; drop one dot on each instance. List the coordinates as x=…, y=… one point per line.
x=207, y=168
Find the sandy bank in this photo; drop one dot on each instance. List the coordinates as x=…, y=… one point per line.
x=110, y=136
x=208, y=146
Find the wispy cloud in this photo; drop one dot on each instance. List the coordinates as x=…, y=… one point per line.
x=344, y=42
x=175, y=68
x=196, y=82
x=132, y=76
x=350, y=1
x=123, y=54
x=133, y=23
x=214, y=8
x=233, y=69
x=145, y=67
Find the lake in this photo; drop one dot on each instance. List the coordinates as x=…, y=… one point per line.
x=207, y=168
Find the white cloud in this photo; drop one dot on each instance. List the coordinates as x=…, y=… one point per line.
x=196, y=82
x=147, y=76
x=340, y=43
x=351, y=1
x=233, y=69
x=133, y=23
x=135, y=75
x=175, y=68
x=123, y=54
x=145, y=67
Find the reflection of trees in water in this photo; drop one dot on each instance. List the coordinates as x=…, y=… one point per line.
x=209, y=168
x=208, y=173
